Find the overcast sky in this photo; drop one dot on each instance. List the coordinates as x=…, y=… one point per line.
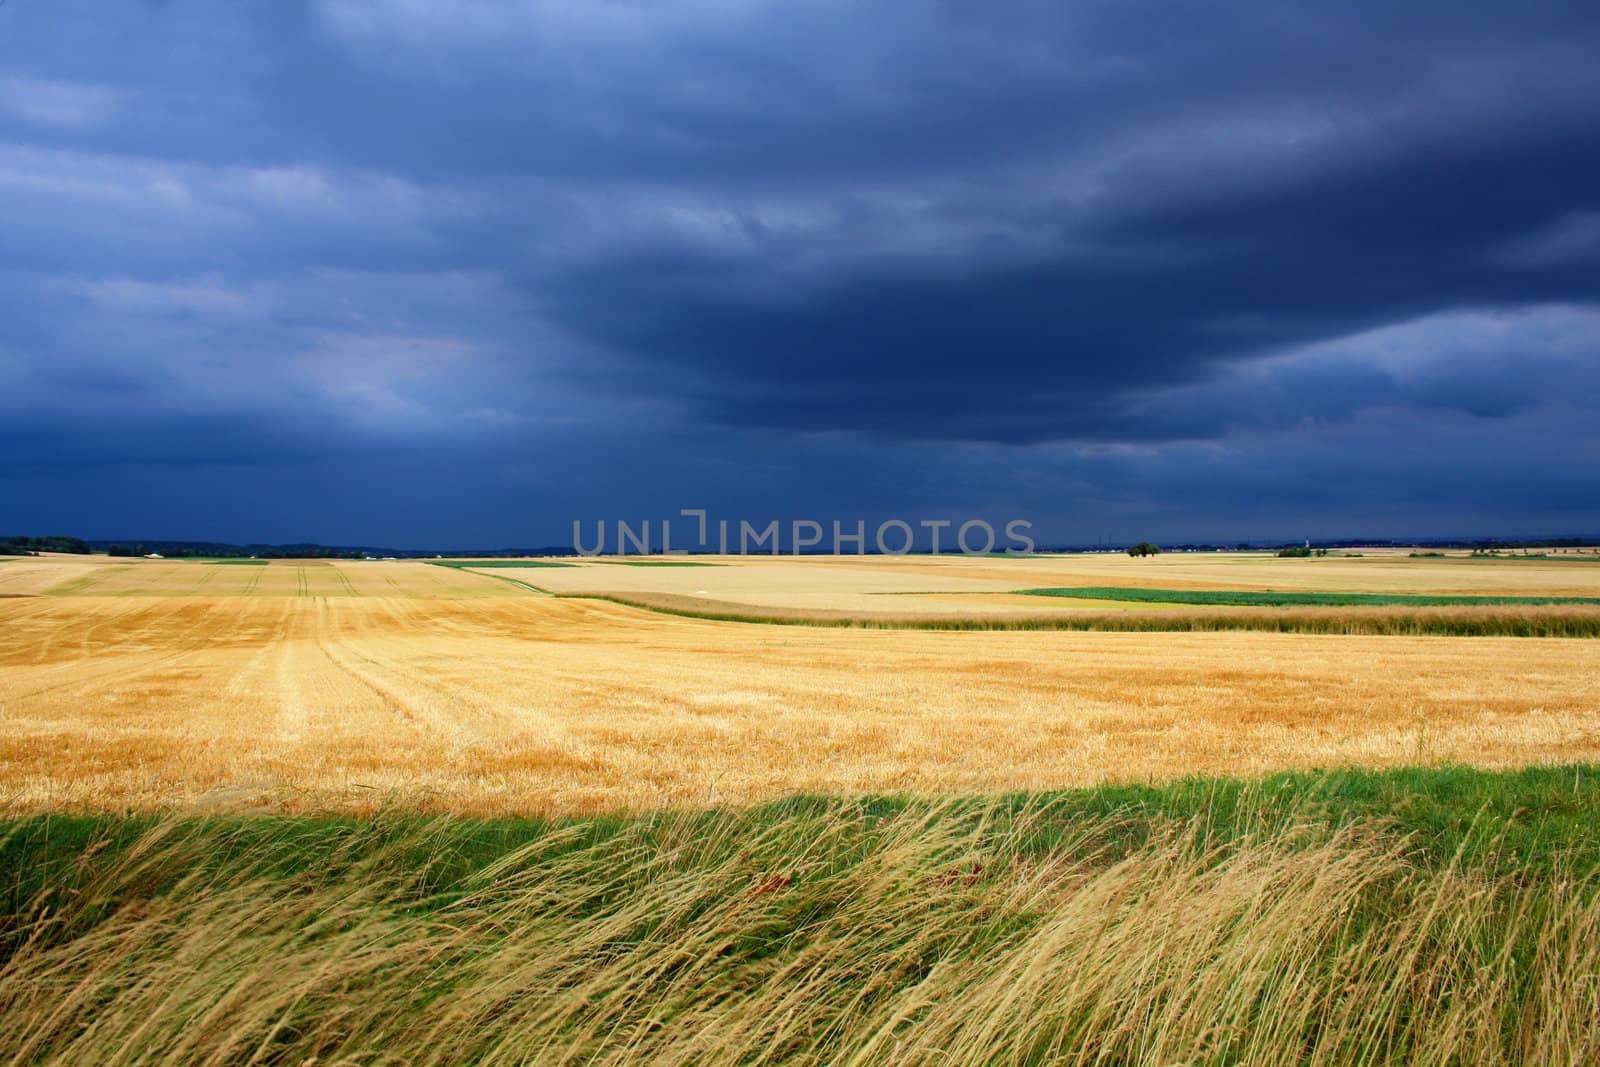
x=435, y=274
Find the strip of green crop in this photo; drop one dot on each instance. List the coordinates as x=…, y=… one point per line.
x=1534, y=817
x=1269, y=599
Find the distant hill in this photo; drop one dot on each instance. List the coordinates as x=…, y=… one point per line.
x=139, y=546
x=27, y=546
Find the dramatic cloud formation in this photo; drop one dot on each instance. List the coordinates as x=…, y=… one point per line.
x=443, y=274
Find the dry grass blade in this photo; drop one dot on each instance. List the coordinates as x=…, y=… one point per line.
x=932, y=936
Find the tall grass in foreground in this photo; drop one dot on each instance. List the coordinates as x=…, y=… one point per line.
x=824, y=932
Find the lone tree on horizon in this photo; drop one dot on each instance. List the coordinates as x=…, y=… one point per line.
x=1144, y=548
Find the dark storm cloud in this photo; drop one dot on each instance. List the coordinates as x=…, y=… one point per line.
x=1050, y=248
x=1353, y=205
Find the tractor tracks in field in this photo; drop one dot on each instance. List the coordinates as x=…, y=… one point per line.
x=297, y=671
x=525, y=586
x=329, y=643
x=448, y=710
x=293, y=714
x=118, y=668
x=49, y=641
x=344, y=580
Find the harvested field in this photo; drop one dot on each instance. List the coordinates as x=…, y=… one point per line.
x=348, y=686
x=1470, y=620
x=97, y=576
x=984, y=587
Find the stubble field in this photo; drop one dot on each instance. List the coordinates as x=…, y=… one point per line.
x=352, y=685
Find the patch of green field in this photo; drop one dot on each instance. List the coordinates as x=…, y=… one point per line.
x=1434, y=915
x=1247, y=599
x=493, y=564
x=1538, y=816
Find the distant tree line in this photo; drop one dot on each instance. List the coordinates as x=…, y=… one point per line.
x=302, y=550
x=292, y=552
x=214, y=551
x=1144, y=548
x=32, y=546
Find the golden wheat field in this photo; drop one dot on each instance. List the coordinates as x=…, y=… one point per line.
x=350, y=685
x=984, y=584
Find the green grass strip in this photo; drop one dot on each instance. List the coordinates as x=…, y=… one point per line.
x=1531, y=818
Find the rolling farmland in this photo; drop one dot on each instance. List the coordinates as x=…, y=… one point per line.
x=348, y=686
x=1227, y=377
x=510, y=811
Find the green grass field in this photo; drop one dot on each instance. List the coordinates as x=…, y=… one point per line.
x=1441, y=916
x=1269, y=599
